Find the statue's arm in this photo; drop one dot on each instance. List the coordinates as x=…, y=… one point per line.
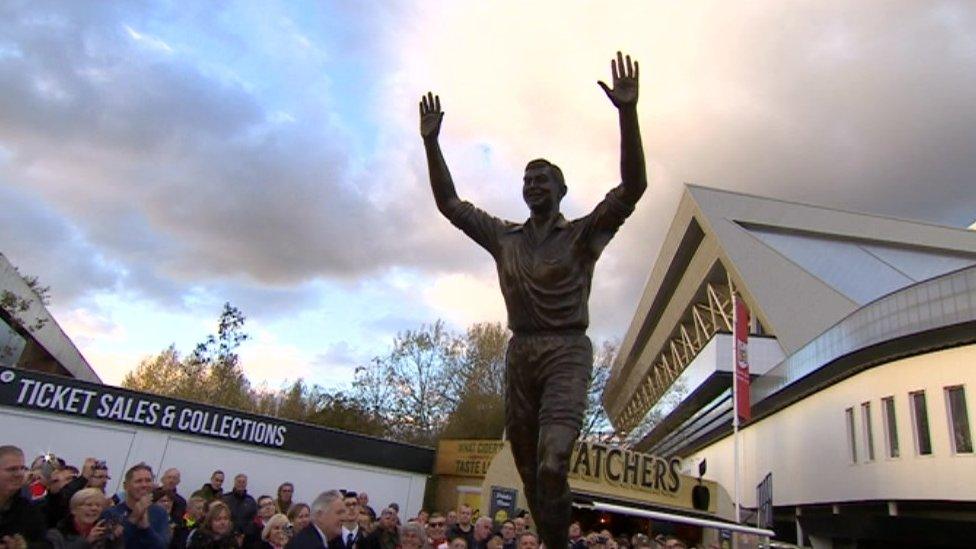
x=624, y=94
x=440, y=177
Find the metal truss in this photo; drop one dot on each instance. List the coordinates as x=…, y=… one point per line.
x=711, y=313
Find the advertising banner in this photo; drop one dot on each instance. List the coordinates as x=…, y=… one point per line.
x=502, y=505
x=741, y=354
x=466, y=458
x=26, y=389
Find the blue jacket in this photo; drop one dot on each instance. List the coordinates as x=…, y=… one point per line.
x=156, y=536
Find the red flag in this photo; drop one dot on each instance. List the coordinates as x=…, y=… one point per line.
x=740, y=346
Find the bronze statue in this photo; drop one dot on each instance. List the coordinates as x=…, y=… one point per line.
x=545, y=268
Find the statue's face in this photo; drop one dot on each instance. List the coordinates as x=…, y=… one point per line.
x=540, y=189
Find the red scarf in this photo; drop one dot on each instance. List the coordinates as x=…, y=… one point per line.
x=83, y=529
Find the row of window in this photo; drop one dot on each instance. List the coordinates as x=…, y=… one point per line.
x=960, y=435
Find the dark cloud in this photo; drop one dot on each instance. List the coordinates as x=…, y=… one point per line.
x=179, y=175
x=853, y=106
x=144, y=167
x=39, y=242
x=850, y=105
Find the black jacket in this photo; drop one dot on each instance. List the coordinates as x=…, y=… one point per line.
x=203, y=539
x=307, y=538
x=243, y=509
x=456, y=532
x=24, y=518
x=179, y=509
x=56, y=505
x=381, y=539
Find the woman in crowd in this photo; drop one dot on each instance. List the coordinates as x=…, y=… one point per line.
x=412, y=536
x=365, y=523
x=300, y=516
x=285, y=493
x=81, y=528
x=216, y=531
x=164, y=498
x=275, y=535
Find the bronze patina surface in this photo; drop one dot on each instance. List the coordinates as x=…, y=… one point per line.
x=545, y=269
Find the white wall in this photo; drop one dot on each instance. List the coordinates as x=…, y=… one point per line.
x=805, y=445
x=74, y=439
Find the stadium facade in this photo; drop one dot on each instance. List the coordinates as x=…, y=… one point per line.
x=30, y=337
x=862, y=352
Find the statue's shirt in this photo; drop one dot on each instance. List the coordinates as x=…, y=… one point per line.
x=546, y=278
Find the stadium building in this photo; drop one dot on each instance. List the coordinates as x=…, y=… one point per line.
x=862, y=353
x=30, y=338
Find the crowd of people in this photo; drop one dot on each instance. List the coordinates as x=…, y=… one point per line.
x=54, y=504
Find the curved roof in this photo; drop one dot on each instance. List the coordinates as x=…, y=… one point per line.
x=800, y=268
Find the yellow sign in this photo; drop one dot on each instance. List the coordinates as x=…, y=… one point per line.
x=466, y=458
x=620, y=474
x=620, y=467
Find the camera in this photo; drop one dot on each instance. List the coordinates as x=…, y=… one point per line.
x=101, y=465
x=110, y=523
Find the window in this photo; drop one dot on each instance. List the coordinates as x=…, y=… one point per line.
x=962, y=439
x=868, y=432
x=890, y=426
x=851, y=440
x=920, y=421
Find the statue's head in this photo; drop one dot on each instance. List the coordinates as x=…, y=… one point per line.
x=543, y=185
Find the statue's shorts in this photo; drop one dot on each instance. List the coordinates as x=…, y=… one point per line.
x=547, y=378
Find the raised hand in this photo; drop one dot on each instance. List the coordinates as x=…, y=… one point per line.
x=625, y=75
x=139, y=515
x=430, y=116
x=88, y=468
x=97, y=532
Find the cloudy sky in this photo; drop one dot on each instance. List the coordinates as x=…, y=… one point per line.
x=160, y=158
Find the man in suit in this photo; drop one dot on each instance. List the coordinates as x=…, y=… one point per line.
x=352, y=536
x=328, y=513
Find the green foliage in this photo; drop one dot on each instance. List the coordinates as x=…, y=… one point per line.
x=477, y=382
x=477, y=415
x=162, y=374
x=432, y=379
x=211, y=373
x=14, y=306
x=436, y=384
x=407, y=389
x=342, y=411
x=432, y=383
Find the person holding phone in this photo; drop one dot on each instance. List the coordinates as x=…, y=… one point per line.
x=83, y=524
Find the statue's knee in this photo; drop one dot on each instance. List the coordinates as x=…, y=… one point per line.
x=552, y=470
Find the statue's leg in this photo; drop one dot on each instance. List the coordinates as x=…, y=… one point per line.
x=555, y=446
x=566, y=367
x=521, y=415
